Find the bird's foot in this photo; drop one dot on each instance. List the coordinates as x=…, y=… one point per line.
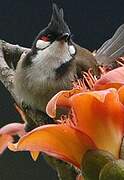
x=35, y=117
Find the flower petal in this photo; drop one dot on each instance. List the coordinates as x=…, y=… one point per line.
x=4, y=140
x=60, y=141
x=58, y=100
x=34, y=155
x=103, y=121
x=13, y=129
x=7, y=132
x=121, y=94
x=114, y=79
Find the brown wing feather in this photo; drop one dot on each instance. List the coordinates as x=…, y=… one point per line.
x=85, y=60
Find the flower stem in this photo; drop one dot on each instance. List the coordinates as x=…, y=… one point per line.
x=65, y=171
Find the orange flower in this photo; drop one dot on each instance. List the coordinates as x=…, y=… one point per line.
x=100, y=115
x=96, y=121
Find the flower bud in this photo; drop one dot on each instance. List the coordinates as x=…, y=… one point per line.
x=113, y=171
x=92, y=163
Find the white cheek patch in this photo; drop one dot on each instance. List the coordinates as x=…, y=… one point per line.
x=42, y=44
x=72, y=50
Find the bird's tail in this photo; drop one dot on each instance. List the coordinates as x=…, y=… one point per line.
x=112, y=48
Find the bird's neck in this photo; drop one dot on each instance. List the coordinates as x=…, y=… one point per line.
x=52, y=57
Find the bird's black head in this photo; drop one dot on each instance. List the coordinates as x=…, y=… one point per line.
x=57, y=29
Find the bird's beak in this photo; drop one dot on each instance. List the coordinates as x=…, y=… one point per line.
x=64, y=37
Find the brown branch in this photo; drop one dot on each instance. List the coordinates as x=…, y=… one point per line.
x=64, y=170
x=6, y=74
x=12, y=53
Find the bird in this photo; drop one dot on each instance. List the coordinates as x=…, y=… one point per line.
x=54, y=61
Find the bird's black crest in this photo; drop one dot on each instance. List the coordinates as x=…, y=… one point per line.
x=57, y=24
